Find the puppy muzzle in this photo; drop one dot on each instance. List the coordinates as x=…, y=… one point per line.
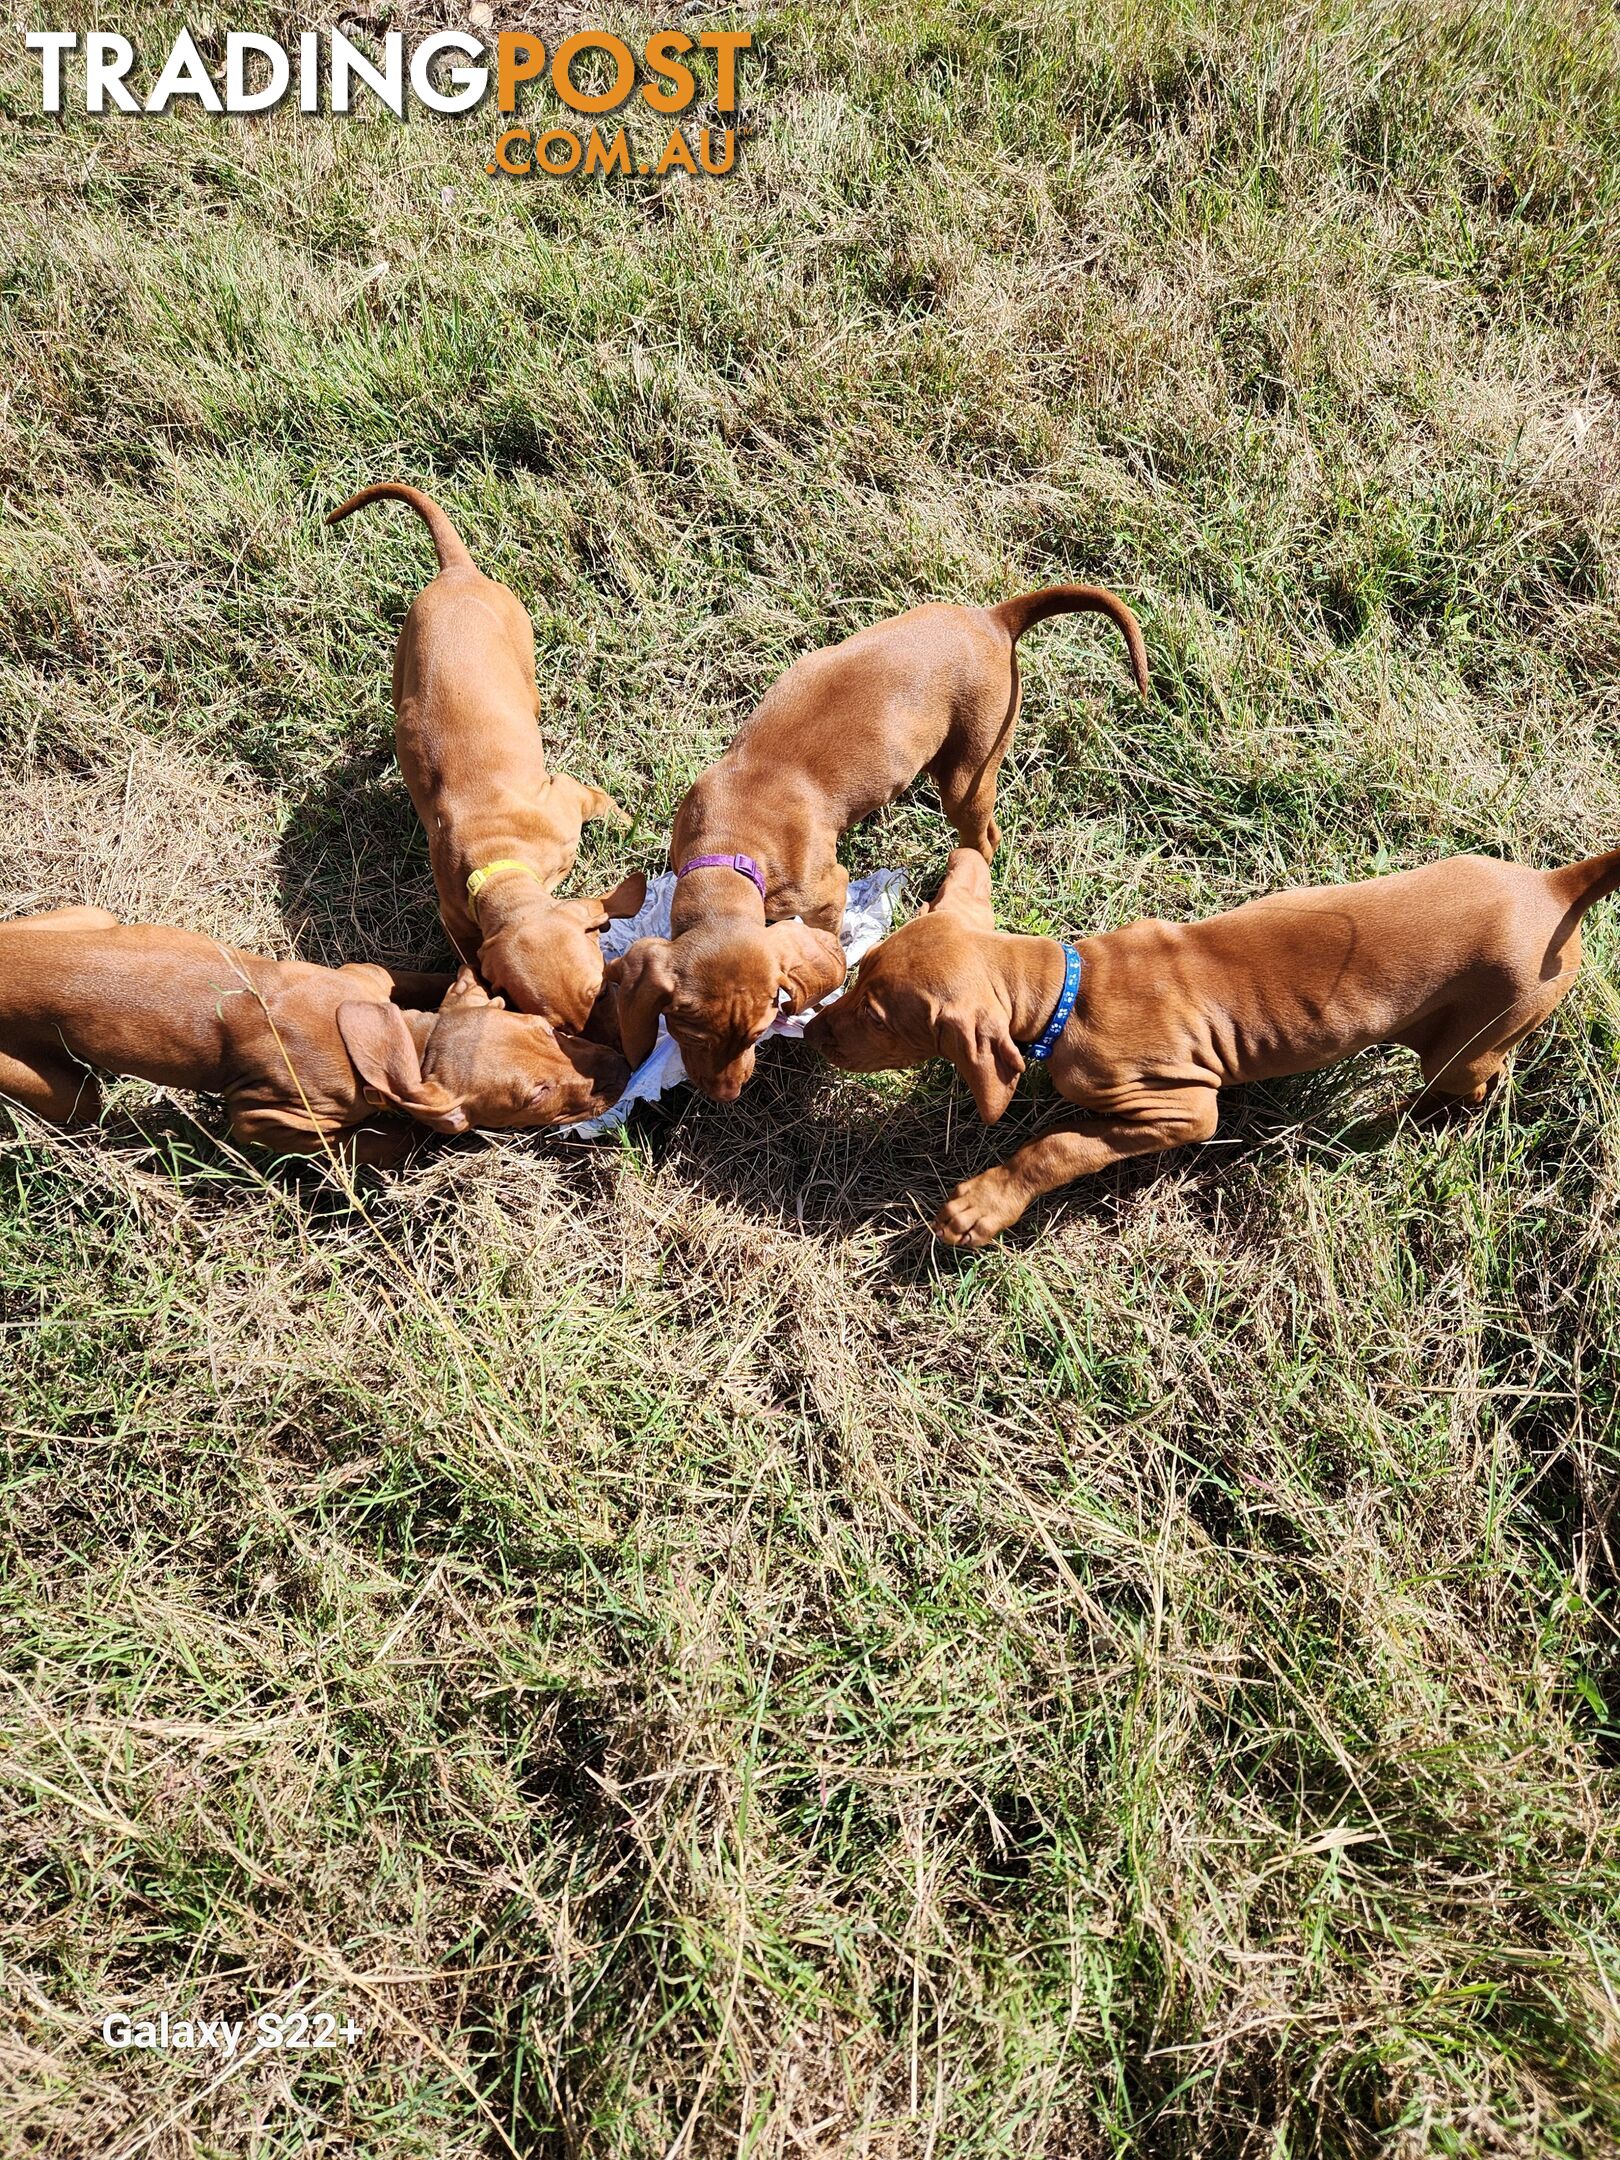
x=608, y=1083
x=822, y=1036
x=728, y=1083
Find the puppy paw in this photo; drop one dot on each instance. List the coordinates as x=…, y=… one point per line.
x=977, y=1212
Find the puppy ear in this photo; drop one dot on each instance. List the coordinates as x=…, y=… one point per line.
x=965, y=889
x=383, y=1053
x=600, y=909
x=645, y=980
x=628, y=897
x=810, y=963
x=589, y=913
x=984, y=1053
x=465, y=991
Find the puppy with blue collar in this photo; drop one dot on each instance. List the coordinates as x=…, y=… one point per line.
x=1143, y=1026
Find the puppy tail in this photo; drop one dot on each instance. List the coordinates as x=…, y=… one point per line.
x=1581, y=884
x=451, y=550
x=1017, y=616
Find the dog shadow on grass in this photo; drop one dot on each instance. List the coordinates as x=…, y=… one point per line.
x=835, y=1154
x=353, y=870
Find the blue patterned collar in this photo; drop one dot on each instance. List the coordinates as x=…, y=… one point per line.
x=1046, y=1042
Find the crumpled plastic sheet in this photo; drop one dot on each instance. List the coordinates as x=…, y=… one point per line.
x=868, y=918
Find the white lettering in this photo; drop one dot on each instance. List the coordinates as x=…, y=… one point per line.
x=108, y=58
x=185, y=74
x=50, y=45
x=238, y=97
x=471, y=82
x=349, y=63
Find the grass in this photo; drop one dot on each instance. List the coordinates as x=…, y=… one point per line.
x=692, y=1668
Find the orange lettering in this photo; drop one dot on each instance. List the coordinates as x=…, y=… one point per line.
x=593, y=101
x=572, y=151
x=661, y=51
x=676, y=152
x=517, y=60
x=512, y=137
x=726, y=45
x=608, y=157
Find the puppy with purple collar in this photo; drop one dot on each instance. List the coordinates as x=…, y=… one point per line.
x=1143, y=1026
x=754, y=923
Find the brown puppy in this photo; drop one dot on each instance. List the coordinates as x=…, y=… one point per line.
x=304, y=1056
x=843, y=732
x=1457, y=961
x=502, y=831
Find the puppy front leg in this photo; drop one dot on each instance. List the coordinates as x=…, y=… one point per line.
x=62, y=1093
x=982, y=1207
x=383, y=1146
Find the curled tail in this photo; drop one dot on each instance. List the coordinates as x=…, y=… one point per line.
x=452, y=553
x=1016, y=616
x=1582, y=883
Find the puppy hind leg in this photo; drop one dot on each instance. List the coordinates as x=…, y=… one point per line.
x=966, y=770
x=968, y=797
x=1461, y=1064
x=982, y=1207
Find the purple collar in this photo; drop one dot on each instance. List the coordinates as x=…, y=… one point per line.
x=744, y=865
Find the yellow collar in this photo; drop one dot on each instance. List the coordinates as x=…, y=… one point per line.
x=480, y=878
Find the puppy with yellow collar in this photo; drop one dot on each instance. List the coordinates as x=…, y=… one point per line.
x=502, y=831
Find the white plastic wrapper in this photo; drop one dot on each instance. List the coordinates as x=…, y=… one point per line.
x=868, y=918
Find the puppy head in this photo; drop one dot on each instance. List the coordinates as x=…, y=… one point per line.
x=545, y=955
x=514, y=1071
x=719, y=988
x=921, y=995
